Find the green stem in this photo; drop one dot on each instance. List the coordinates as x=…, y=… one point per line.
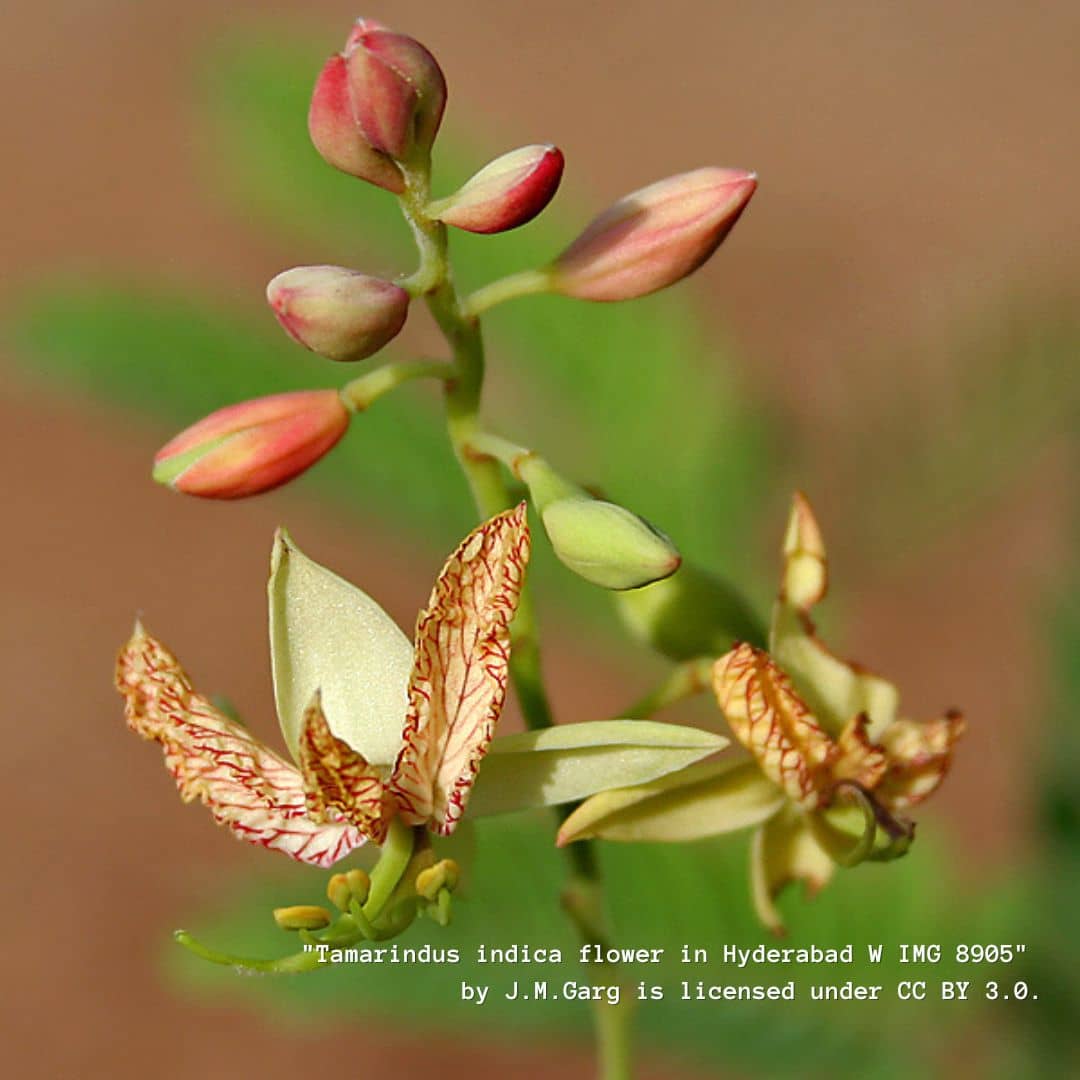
x=397, y=850
x=461, y=327
x=372, y=385
x=524, y=283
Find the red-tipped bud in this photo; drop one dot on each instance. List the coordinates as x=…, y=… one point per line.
x=338, y=313
x=653, y=237
x=396, y=89
x=252, y=446
x=505, y=193
x=337, y=136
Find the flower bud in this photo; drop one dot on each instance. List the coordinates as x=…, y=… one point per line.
x=653, y=237
x=337, y=136
x=607, y=544
x=396, y=89
x=253, y=446
x=338, y=313
x=600, y=541
x=302, y=917
x=505, y=193
x=690, y=614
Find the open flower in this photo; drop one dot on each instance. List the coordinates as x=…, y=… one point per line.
x=831, y=768
x=334, y=797
x=382, y=730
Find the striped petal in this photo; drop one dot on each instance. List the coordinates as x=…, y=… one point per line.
x=247, y=787
x=773, y=723
x=858, y=759
x=919, y=758
x=338, y=782
x=459, y=674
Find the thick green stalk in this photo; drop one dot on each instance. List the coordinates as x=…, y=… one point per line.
x=582, y=897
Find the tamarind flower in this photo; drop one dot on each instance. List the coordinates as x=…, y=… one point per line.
x=831, y=769
x=335, y=797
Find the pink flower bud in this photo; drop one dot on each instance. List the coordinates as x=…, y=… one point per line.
x=253, y=446
x=505, y=193
x=337, y=136
x=653, y=237
x=338, y=313
x=396, y=89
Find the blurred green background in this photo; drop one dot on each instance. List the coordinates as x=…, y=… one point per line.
x=891, y=328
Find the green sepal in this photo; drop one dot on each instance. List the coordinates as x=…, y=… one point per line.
x=573, y=761
x=706, y=799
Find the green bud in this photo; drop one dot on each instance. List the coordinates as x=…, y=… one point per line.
x=607, y=544
x=600, y=541
x=692, y=613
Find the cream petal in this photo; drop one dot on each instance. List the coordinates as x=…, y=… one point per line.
x=338, y=781
x=328, y=636
x=773, y=723
x=247, y=787
x=460, y=672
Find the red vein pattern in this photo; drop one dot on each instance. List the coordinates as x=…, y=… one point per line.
x=857, y=758
x=459, y=676
x=772, y=722
x=246, y=786
x=337, y=780
x=919, y=758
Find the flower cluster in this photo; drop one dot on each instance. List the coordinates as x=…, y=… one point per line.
x=386, y=737
x=831, y=769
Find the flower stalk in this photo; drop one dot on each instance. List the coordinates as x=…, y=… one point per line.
x=582, y=895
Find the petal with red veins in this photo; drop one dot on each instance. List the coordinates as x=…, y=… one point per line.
x=247, y=787
x=857, y=758
x=919, y=757
x=459, y=675
x=774, y=724
x=338, y=781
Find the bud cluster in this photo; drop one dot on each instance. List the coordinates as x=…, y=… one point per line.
x=375, y=112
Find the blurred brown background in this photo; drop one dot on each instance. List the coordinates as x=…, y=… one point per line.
x=917, y=167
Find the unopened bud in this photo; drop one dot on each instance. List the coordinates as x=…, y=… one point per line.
x=338, y=313
x=396, y=90
x=654, y=237
x=602, y=542
x=607, y=544
x=505, y=193
x=337, y=136
x=302, y=917
x=690, y=614
x=253, y=446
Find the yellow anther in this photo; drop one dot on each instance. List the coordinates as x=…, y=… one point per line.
x=302, y=917
x=359, y=884
x=338, y=892
x=444, y=874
